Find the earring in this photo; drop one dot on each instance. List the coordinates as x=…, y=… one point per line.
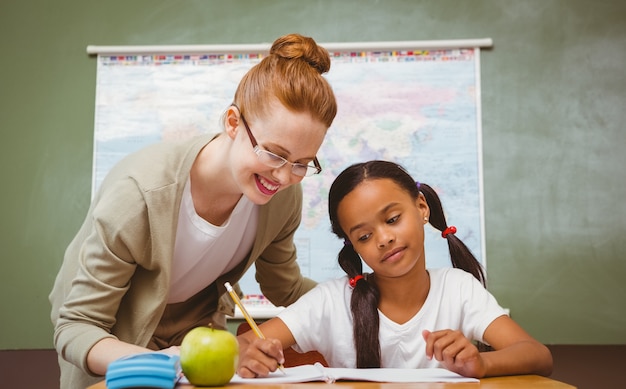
x=425, y=220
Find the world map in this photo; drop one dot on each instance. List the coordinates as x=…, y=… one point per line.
x=420, y=109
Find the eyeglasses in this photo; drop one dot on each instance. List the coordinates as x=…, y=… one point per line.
x=275, y=161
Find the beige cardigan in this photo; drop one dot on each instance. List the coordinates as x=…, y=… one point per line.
x=115, y=275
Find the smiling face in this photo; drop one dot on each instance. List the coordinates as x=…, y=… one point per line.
x=295, y=136
x=385, y=225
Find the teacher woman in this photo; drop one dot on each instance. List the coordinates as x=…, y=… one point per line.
x=172, y=222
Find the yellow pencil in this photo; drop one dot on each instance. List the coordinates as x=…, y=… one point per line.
x=247, y=316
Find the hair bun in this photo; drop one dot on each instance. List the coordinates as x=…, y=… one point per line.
x=296, y=46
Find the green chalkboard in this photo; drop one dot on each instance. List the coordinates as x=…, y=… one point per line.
x=553, y=99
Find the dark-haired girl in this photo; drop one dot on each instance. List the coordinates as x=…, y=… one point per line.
x=401, y=315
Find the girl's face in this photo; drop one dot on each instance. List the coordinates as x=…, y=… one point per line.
x=385, y=226
x=294, y=136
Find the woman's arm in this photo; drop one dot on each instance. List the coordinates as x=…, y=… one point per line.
x=109, y=349
x=95, y=277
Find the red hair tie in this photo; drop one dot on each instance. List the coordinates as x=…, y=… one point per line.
x=354, y=280
x=449, y=230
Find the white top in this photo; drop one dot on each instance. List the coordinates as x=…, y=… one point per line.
x=321, y=320
x=203, y=252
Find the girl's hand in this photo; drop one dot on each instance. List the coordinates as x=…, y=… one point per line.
x=455, y=352
x=259, y=357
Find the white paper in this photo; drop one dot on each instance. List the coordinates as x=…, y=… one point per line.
x=308, y=373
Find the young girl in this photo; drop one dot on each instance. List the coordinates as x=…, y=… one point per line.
x=172, y=222
x=401, y=315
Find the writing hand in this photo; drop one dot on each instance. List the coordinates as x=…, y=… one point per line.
x=258, y=357
x=455, y=352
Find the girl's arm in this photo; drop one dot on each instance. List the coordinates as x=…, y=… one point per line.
x=516, y=352
x=258, y=357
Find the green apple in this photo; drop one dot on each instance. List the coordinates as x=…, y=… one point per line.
x=208, y=356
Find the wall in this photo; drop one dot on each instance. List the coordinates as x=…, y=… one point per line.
x=553, y=107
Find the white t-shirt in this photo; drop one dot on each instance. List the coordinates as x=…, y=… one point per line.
x=321, y=320
x=203, y=251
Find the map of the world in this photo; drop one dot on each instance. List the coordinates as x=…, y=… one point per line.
x=420, y=109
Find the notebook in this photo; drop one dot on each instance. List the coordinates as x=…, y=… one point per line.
x=317, y=372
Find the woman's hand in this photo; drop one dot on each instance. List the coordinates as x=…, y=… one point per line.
x=172, y=350
x=258, y=357
x=455, y=352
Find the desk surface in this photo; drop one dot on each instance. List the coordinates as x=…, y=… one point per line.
x=511, y=382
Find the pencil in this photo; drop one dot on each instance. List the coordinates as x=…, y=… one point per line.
x=247, y=316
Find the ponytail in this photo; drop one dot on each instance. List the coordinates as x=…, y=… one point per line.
x=364, y=307
x=460, y=255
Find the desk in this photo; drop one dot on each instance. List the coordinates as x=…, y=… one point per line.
x=511, y=382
